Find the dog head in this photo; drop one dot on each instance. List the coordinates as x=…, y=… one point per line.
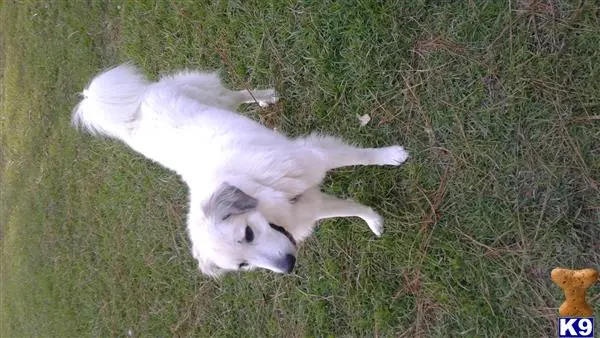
x=232, y=234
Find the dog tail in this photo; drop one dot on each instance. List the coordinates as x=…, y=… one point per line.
x=110, y=104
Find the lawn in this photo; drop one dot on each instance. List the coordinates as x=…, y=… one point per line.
x=497, y=101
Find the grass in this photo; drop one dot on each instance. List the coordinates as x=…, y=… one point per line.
x=498, y=103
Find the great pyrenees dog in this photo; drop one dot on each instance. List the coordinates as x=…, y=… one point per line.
x=254, y=193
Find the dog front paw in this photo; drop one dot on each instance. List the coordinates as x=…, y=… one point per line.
x=269, y=99
x=375, y=222
x=266, y=103
x=394, y=155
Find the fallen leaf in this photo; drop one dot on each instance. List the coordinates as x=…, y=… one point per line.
x=364, y=119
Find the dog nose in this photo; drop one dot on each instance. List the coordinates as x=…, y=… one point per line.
x=288, y=263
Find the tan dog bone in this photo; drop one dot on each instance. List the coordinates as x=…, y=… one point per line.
x=574, y=284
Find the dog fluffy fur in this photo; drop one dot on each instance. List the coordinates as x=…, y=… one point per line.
x=254, y=193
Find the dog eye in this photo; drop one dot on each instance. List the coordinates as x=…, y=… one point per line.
x=249, y=236
x=243, y=264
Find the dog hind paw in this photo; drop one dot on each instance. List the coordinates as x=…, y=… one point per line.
x=394, y=155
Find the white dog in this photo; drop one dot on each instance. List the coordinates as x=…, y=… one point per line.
x=254, y=193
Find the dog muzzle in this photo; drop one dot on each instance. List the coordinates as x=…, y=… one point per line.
x=284, y=232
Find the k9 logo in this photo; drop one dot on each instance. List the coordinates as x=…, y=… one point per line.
x=575, y=327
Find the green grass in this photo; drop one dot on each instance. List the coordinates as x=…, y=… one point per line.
x=498, y=102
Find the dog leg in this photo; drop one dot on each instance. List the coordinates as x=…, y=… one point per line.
x=334, y=207
x=264, y=97
x=338, y=154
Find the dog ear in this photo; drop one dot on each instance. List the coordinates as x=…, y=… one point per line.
x=228, y=200
x=210, y=269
